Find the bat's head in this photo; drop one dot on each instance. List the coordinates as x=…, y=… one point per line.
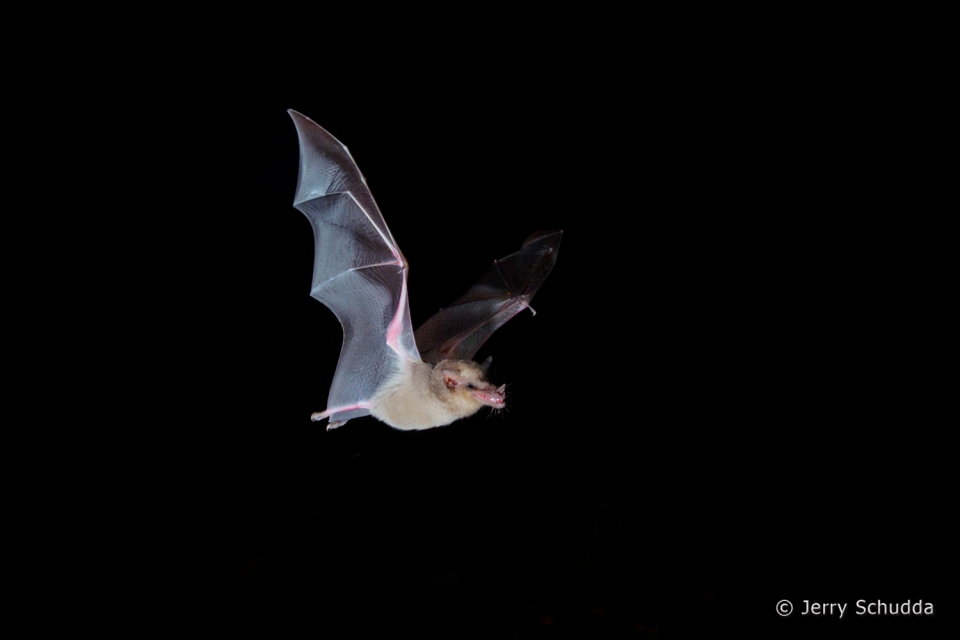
x=466, y=381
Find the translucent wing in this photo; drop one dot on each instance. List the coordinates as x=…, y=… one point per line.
x=359, y=272
x=503, y=291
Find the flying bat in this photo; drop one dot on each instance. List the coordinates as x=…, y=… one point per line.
x=407, y=379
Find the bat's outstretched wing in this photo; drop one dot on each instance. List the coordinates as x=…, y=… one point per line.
x=503, y=291
x=358, y=272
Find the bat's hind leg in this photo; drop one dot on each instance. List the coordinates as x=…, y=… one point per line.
x=333, y=424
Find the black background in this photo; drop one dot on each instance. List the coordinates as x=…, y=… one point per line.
x=728, y=396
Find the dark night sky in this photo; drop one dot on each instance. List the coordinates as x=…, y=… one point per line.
x=723, y=400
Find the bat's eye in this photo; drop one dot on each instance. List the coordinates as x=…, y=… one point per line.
x=470, y=385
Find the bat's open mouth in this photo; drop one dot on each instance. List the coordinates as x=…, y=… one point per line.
x=489, y=397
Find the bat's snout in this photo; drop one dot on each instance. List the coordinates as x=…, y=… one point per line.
x=491, y=397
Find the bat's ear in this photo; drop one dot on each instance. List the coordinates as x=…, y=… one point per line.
x=450, y=378
x=485, y=365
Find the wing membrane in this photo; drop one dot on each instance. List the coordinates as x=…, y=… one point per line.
x=359, y=272
x=503, y=291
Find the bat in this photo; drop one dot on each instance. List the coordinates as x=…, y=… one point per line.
x=409, y=380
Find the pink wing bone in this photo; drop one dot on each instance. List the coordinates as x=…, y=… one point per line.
x=359, y=272
x=401, y=321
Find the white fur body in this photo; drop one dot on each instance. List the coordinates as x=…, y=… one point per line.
x=421, y=396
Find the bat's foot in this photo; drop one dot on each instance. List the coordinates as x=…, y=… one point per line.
x=334, y=425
